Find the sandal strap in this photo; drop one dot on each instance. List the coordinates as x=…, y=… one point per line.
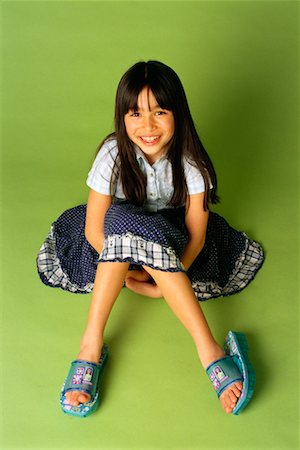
x=84, y=375
x=223, y=373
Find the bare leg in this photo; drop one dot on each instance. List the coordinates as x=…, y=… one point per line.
x=108, y=283
x=178, y=293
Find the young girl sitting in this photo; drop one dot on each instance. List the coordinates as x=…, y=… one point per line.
x=147, y=226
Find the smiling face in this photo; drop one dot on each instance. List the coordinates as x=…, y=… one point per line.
x=150, y=126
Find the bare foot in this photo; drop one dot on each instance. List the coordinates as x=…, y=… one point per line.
x=74, y=398
x=230, y=396
x=140, y=282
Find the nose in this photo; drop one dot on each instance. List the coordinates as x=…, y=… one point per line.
x=149, y=122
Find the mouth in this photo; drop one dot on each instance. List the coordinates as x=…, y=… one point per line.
x=150, y=140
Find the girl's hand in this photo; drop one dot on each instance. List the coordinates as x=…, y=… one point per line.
x=140, y=282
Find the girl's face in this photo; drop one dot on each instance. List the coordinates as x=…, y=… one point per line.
x=150, y=127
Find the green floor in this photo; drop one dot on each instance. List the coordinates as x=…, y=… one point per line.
x=62, y=63
x=155, y=393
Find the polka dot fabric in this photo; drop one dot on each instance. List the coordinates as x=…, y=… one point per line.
x=141, y=237
x=66, y=259
x=226, y=265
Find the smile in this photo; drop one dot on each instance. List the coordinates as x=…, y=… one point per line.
x=150, y=139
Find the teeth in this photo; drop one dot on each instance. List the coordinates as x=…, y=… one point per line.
x=149, y=138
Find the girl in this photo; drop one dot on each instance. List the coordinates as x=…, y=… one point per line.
x=147, y=225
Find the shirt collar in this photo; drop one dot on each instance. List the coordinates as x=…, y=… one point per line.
x=141, y=158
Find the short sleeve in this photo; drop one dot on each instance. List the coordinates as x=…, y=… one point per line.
x=103, y=175
x=194, y=179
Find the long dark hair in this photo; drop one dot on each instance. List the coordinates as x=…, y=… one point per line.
x=169, y=94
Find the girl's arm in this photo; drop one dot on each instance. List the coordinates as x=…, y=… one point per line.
x=97, y=206
x=196, y=222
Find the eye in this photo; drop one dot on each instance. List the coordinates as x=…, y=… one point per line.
x=132, y=113
x=160, y=113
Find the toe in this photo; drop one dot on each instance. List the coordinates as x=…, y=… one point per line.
x=83, y=398
x=230, y=397
x=69, y=397
x=237, y=389
x=225, y=401
x=239, y=385
x=74, y=398
x=227, y=406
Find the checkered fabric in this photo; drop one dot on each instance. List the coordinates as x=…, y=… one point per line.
x=144, y=238
x=226, y=265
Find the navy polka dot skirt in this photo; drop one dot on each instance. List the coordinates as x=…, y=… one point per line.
x=226, y=265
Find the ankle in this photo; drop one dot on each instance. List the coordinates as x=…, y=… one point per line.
x=91, y=337
x=210, y=353
x=90, y=354
x=91, y=346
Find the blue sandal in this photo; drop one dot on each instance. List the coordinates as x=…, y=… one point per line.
x=235, y=366
x=83, y=376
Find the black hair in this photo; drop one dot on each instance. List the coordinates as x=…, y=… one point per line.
x=169, y=94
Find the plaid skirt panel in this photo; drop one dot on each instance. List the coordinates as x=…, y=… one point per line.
x=226, y=265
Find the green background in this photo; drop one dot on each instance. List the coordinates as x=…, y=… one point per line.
x=61, y=62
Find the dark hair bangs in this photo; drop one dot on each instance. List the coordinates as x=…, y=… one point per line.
x=162, y=97
x=143, y=75
x=130, y=97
